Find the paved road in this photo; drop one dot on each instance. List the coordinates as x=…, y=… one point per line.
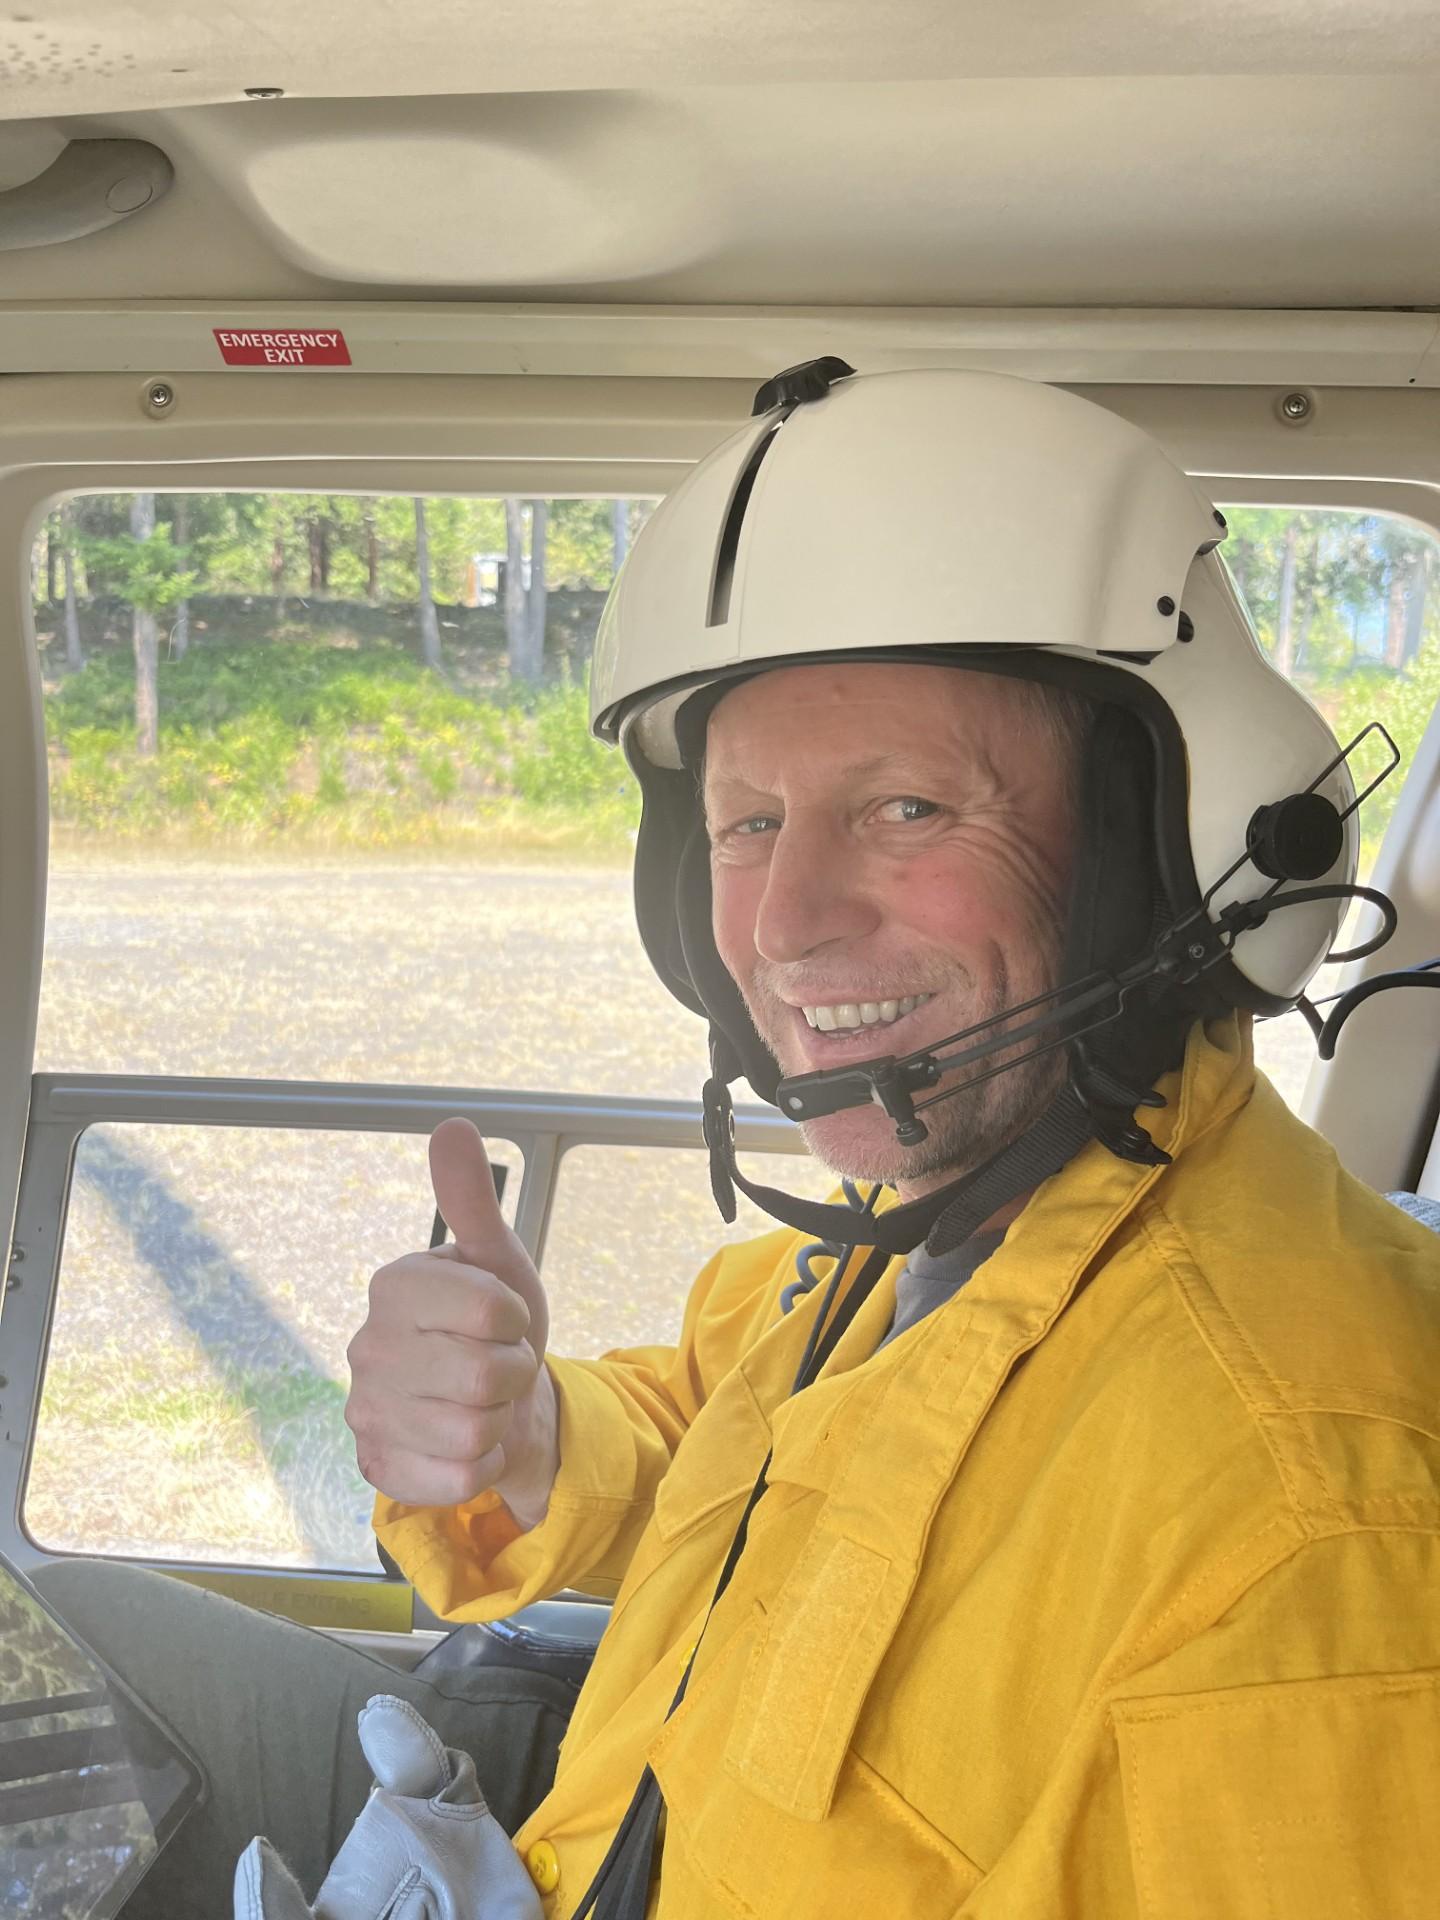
x=213, y=1277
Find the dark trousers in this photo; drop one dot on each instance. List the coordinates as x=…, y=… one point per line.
x=268, y=1708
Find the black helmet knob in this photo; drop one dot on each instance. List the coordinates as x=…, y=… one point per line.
x=1297, y=838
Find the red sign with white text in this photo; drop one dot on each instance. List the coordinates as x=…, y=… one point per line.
x=282, y=346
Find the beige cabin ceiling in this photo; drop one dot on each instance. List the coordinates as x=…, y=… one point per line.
x=1272, y=155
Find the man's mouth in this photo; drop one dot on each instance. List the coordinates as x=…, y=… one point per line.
x=848, y=1016
x=829, y=1031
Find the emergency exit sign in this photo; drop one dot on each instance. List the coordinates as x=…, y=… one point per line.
x=282, y=346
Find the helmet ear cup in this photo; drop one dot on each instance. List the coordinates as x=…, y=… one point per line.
x=667, y=823
x=1119, y=904
x=708, y=974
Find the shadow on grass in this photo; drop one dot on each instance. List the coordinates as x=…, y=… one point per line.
x=272, y=1374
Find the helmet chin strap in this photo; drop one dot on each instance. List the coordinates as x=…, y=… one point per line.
x=943, y=1219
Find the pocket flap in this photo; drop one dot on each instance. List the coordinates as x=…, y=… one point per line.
x=809, y=1674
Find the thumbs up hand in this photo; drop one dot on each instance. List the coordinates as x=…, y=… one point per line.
x=449, y=1390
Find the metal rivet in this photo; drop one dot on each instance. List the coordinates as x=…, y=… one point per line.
x=264, y=93
x=1165, y=605
x=159, y=396
x=1295, y=406
x=1196, y=950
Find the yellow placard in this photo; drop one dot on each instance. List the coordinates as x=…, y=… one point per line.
x=372, y=1606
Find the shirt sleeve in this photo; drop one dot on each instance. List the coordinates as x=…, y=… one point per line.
x=621, y=1419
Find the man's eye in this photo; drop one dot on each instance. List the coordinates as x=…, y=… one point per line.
x=756, y=823
x=907, y=807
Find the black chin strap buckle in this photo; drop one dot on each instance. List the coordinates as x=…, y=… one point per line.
x=1111, y=1102
x=717, y=1122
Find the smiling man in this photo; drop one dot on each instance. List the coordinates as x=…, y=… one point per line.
x=1050, y=1529
x=1070, y=1549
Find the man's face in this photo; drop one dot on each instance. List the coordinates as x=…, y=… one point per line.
x=890, y=856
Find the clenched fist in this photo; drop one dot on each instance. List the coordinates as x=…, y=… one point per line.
x=449, y=1392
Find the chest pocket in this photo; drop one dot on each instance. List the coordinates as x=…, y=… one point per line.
x=794, y=1821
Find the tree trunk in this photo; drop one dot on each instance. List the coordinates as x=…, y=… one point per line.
x=1285, y=616
x=429, y=624
x=372, y=563
x=1415, y=604
x=315, y=541
x=180, y=630
x=1395, y=599
x=517, y=624
x=51, y=556
x=536, y=599
x=74, y=652
x=279, y=561
x=619, y=532
x=145, y=639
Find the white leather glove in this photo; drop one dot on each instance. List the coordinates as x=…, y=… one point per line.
x=425, y=1847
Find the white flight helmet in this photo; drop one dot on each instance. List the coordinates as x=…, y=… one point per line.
x=1022, y=530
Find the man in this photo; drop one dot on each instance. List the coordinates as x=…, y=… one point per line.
x=1093, y=1569
x=1060, y=1538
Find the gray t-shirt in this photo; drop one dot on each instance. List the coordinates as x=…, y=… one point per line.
x=930, y=1279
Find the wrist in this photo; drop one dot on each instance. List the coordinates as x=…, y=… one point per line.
x=532, y=1455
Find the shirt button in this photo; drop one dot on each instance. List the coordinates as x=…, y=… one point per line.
x=544, y=1866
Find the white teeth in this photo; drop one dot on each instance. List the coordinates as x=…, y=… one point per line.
x=847, y=1014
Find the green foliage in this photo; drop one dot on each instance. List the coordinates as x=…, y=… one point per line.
x=1362, y=631
x=147, y=573
x=321, y=721
x=559, y=762
x=262, y=739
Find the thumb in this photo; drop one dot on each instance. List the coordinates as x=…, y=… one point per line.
x=465, y=1189
x=265, y=1888
x=465, y=1194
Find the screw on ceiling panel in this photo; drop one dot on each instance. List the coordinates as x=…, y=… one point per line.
x=159, y=396
x=1296, y=407
x=264, y=93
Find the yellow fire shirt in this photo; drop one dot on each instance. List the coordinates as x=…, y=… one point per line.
x=1110, y=1588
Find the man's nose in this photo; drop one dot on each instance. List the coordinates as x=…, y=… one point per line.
x=815, y=893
